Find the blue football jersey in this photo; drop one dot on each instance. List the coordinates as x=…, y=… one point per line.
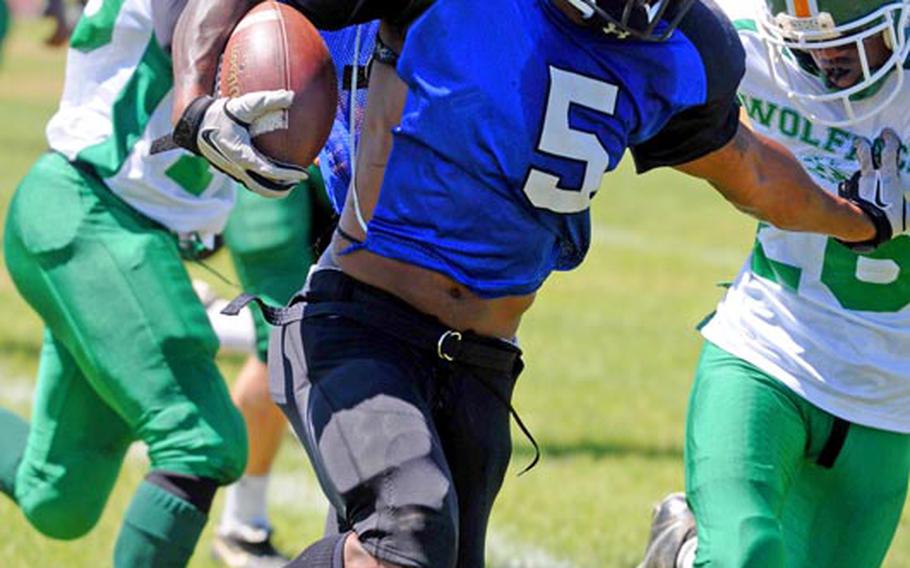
x=335, y=158
x=513, y=115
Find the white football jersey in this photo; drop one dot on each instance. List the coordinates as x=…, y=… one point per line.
x=117, y=99
x=831, y=324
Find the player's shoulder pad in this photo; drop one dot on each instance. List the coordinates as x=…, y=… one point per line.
x=336, y=14
x=738, y=10
x=718, y=44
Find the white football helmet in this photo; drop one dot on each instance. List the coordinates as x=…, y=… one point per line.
x=792, y=29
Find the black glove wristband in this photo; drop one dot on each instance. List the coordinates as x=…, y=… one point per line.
x=187, y=129
x=879, y=220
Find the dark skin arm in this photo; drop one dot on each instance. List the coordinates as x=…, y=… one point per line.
x=762, y=178
x=199, y=38
x=195, y=56
x=205, y=26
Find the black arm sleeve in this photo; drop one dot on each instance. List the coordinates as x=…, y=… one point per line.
x=336, y=14
x=700, y=130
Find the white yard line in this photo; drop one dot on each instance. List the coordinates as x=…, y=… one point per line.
x=299, y=492
x=723, y=257
x=296, y=492
x=507, y=551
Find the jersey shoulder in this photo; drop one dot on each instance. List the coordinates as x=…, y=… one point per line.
x=742, y=13
x=714, y=36
x=700, y=130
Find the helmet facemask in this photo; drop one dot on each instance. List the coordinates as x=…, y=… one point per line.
x=788, y=38
x=638, y=19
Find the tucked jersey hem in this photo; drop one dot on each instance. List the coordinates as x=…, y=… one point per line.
x=726, y=338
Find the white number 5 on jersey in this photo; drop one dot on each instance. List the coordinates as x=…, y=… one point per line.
x=557, y=138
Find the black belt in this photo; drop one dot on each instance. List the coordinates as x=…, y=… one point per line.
x=448, y=344
x=350, y=298
x=834, y=444
x=333, y=292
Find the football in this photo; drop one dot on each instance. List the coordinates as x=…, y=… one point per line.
x=275, y=47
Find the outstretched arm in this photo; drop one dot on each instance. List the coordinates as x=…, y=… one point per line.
x=763, y=179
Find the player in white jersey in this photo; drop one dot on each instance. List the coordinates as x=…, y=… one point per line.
x=797, y=446
x=93, y=241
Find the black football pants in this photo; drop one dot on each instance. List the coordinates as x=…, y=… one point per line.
x=405, y=422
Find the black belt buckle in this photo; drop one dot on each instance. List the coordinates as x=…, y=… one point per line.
x=449, y=345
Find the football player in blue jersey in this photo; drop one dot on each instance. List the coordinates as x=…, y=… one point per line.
x=394, y=364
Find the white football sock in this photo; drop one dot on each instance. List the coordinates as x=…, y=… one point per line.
x=236, y=334
x=245, y=505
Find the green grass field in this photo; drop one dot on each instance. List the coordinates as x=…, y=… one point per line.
x=609, y=350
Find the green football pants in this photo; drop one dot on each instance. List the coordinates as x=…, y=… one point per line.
x=271, y=242
x=4, y=24
x=753, y=479
x=128, y=350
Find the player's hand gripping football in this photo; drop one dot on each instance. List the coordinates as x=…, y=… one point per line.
x=218, y=130
x=878, y=188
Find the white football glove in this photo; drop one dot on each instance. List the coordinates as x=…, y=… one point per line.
x=218, y=130
x=878, y=188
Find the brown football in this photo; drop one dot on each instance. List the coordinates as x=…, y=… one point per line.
x=275, y=47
